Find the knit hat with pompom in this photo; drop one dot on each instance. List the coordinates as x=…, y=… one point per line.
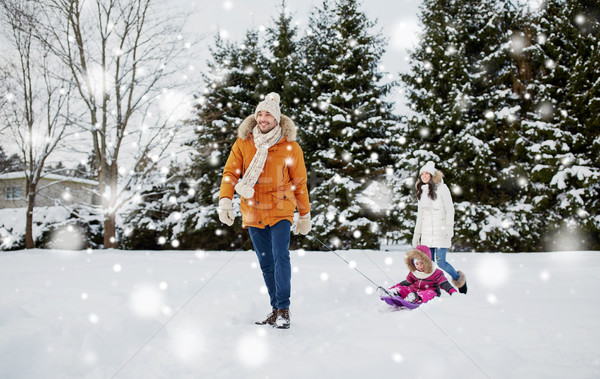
x=271, y=105
x=429, y=167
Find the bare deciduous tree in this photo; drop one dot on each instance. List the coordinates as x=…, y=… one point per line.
x=122, y=60
x=36, y=100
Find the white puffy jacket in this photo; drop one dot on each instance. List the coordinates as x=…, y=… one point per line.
x=435, y=218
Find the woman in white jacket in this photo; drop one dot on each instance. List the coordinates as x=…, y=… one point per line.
x=435, y=221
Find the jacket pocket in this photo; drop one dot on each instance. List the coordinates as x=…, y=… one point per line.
x=284, y=200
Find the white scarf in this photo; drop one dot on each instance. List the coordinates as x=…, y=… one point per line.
x=425, y=201
x=262, y=142
x=424, y=275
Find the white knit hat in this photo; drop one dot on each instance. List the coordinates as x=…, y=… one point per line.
x=429, y=167
x=271, y=105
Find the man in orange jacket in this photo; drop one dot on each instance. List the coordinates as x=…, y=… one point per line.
x=266, y=168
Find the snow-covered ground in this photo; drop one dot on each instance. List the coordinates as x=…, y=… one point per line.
x=174, y=314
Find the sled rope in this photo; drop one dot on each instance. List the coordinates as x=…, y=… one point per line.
x=421, y=309
x=454, y=343
x=376, y=265
x=178, y=310
x=348, y=263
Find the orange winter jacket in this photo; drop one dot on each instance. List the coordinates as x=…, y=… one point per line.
x=281, y=187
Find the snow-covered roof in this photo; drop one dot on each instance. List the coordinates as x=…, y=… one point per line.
x=21, y=175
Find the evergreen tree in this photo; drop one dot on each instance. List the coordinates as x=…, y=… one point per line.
x=238, y=77
x=315, y=47
x=284, y=73
x=233, y=85
x=145, y=224
x=334, y=94
x=348, y=129
x=161, y=215
x=10, y=163
x=583, y=93
x=82, y=171
x=460, y=87
x=560, y=144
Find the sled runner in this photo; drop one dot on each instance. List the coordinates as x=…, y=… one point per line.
x=399, y=302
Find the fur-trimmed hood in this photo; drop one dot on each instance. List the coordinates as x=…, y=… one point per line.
x=288, y=128
x=422, y=256
x=438, y=177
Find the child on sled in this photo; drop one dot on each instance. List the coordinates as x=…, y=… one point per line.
x=424, y=280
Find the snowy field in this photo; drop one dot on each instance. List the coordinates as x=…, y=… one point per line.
x=174, y=314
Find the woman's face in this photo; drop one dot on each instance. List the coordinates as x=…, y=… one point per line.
x=425, y=177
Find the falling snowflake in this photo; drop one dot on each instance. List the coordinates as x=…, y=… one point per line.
x=493, y=271
x=68, y=238
x=252, y=350
x=545, y=276
x=187, y=343
x=93, y=318
x=146, y=301
x=397, y=357
x=492, y=299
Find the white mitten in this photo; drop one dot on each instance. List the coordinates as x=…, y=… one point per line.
x=304, y=225
x=415, y=241
x=226, y=211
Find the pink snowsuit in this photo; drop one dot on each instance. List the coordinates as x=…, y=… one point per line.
x=426, y=286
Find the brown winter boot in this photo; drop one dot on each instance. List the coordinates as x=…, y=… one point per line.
x=271, y=317
x=283, y=319
x=461, y=282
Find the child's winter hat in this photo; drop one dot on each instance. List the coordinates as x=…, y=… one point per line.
x=425, y=250
x=429, y=167
x=421, y=253
x=271, y=105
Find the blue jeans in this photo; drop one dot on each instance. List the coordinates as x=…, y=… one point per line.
x=438, y=254
x=271, y=245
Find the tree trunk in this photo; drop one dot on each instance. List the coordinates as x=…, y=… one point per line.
x=29, y=241
x=110, y=223
x=110, y=232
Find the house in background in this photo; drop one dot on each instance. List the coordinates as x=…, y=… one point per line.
x=52, y=190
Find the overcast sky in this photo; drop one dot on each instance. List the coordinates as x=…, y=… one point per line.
x=397, y=19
